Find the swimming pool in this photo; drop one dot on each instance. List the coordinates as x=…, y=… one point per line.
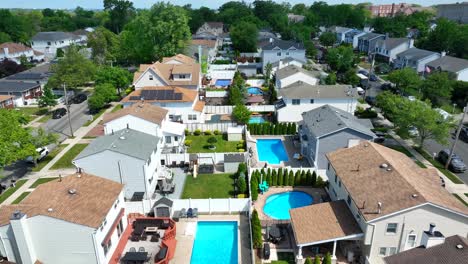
x=277, y=206
x=256, y=120
x=254, y=90
x=223, y=82
x=271, y=151
x=215, y=242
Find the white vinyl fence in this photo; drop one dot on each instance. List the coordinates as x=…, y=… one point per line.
x=261, y=108
x=227, y=109
x=210, y=94
x=223, y=127
x=216, y=158
x=255, y=82
x=223, y=67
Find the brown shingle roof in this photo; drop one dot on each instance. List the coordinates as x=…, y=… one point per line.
x=199, y=106
x=141, y=70
x=401, y=186
x=323, y=221
x=93, y=199
x=204, y=42
x=5, y=97
x=445, y=253
x=184, y=59
x=13, y=47
x=188, y=95
x=149, y=112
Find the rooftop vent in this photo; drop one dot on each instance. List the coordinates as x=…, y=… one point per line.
x=50, y=210
x=379, y=207
x=414, y=195
x=384, y=165
x=122, y=137
x=72, y=191
x=389, y=169
x=459, y=246
x=366, y=145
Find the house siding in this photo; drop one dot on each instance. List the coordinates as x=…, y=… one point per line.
x=271, y=56
x=463, y=75
x=417, y=65
x=293, y=113
x=281, y=83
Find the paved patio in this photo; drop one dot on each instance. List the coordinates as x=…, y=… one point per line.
x=179, y=180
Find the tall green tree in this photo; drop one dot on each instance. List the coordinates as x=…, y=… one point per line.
x=406, y=80
x=327, y=39
x=437, y=87
x=48, y=98
x=341, y=59
x=241, y=114
x=41, y=138
x=117, y=77
x=159, y=32
x=105, y=45
x=244, y=36
x=120, y=13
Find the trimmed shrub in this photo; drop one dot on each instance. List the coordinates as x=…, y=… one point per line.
x=256, y=230
x=269, y=180
x=197, y=132
x=242, y=168
x=274, y=179
x=207, y=132
x=327, y=259
x=282, y=180
x=308, y=261
x=239, y=146
x=317, y=260
x=187, y=132
x=268, y=171
x=293, y=128
x=304, y=181
x=313, y=182
x=291, y=181
x=241, y=184
x=216, y=132
x=241, y=150
x=320, y=183
x=254, y=188
x=280, y=172
x=188, y=142
x=297, y=178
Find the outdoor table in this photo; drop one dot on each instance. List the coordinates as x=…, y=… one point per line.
x=151, y=229
x=135, y=257
x=275, y=232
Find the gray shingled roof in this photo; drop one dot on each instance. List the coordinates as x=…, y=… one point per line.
x=234, y=158
x=286, y=60
x=53, y=36
x=16, y=86
x=449, y=64
x=371, y=35
x=328, y=119
x=128, y=142
x=301, y=89
x=293, y=69
x=283, y=44
x=445, y=253
x=415, y=54
x=391, y=43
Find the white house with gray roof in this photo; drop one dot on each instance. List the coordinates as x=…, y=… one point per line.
x=24, y=93
x=291, y=73
x=128, y=157
x=300, y=97
x=388, y=48
x=414, y=58
x=368, y=41
x=278, y=49
x=49, y=42
x=327, y=129
x=456, y=66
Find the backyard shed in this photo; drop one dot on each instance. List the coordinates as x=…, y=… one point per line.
x=234, y=133
x=232, y=161
x=163, y=207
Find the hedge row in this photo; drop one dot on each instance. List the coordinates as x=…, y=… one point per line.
x=256, y=230
x=272, y=129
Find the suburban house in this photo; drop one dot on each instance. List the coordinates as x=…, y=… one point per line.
x=390, y=10
x=457, y=12
x=286, y=62
x=414, y=58
x=6, y=101
x=352, y=37
x=212, y=28
x=340, y=33
x=455, y=66
x=149, y=119
x=326, y=129
x=49, y=42
x=24, y=93
x=300, y=97
x=290, y=74
x=383, y=203
x=82, y=35
x=278, y=49
x=38, y=75
x=74, y=219
x=129, y=157
x=388, y=48
x=200, y=48
x=183, y=104
x=14, y=51
x=368, y=41
x=179, y=70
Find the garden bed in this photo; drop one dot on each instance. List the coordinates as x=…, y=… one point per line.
x=20, y=198
x=209, y=186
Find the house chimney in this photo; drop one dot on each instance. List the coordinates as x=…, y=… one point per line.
x=6, y=51
x=410, y=42
x=431, y=237
x=379, y=207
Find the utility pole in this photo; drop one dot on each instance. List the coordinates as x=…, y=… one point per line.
x=371, y=70
x=68, y=109
x=457, y=135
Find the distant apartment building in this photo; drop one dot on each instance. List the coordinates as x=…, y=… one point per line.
x=391, y=10
x=456, y=12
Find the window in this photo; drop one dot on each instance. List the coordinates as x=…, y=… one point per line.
x=176, y=139
x=336, y=178
x=163, y=162
x=171, y=117
x=391, y=228
x=391, y=251
x=62, y=42
x=311, y=101
x=192, y=117
x=168, y=139
x=328, y=166
x=150, y=77
x=182, y=76
x=410, y=241
x=349, y=200
x=339, y=184
x=120, y=228
x=296, y=101
x=49, y=43
x=278, y=54
x=382, y=251
x=149, y=161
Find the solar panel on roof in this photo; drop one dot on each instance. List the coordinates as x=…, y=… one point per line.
x=160, y=95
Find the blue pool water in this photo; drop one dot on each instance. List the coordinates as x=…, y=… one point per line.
x=254, y=90
x=271, y=151
x=215, y=242
x=256, y=120
x=223, y=82
x=277, y=205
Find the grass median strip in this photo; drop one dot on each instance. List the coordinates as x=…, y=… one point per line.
x=439, y=166
x=460, y=199
x=49, y=157
x=11, y=190
x=42, y=181
x=20, y=198
x=66, y=160
x=95, y=116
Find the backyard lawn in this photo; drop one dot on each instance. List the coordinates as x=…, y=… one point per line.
x=20, y=198
x=42, y=181
x=49, y=157
x=117, y=108
x=200, y=144
x=65, y=160
x=96, y=116
x=11, y=190
x=284, y=258
x=209, y=186
x=32, y=112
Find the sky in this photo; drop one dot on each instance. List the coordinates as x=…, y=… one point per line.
x=97, y=4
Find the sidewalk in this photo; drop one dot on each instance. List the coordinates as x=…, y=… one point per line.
x=46, y=172
x=451, y=187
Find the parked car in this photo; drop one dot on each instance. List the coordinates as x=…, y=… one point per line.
x=373, y=78
x=58, y=113
x=42, y=153
x=386, y=86
x=464, y=133
x=79, y=98
x=412, y=131
x=456, y=163
x=363, y=72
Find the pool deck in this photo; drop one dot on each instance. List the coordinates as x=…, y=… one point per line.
x=316, y=193
x=186, y=229
x=290, y=146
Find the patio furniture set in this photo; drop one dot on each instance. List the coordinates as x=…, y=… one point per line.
x=190, y=213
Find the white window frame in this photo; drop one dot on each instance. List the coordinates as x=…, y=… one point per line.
x=391, y=233
x=296, y=101
x=150, y=77
x=390, y=249
x=380, y=251
x=168, y=141
x=407, y=240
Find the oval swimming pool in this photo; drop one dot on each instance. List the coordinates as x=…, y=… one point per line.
x=254, y=91
x=277, y=206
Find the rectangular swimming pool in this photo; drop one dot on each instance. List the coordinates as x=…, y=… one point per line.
x=271, y=151
x=223, y=82
x=256, y=120
x=215, y=242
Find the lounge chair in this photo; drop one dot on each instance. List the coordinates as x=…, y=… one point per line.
x=141, y=249
x=155, y=238
x=190, y=212
x=183, y=213
x=132, y=249
x=195, y=212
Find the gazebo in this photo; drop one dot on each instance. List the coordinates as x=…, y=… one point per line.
x=323, y=223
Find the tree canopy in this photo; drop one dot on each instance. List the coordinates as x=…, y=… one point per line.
x=120, y=13
x=244, y=36
x=341, y=59
x=406, y=80
x=104, y=45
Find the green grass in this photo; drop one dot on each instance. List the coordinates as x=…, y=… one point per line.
x=407, y=153
x=460, y=199
x=117, y=108
x=200, y=144
x=439, y=166
x=95, y=116
x=42, y=181
x=65, y=160
x=209, y=186
x=45, y=118
x=20, y=198
x=49, y=157
x=32, y=112
x=11, y=190
x=284, y=258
